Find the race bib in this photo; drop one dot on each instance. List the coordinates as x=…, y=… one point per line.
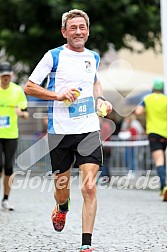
x=4, y=121
x=82, y=107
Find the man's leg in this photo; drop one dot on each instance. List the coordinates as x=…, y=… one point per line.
x=1, y=161
x=10, y=147
x=61, y=194
x=62, y=190
x=7, y=185
x=88, y=173
x=159, y=160
x=0, y=179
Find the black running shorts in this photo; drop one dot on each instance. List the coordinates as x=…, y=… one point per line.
x=157, y=142
x=8, y=148
x=81, y=148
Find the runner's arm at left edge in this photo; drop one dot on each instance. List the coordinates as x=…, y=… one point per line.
x=36, y=90
x=22, y=113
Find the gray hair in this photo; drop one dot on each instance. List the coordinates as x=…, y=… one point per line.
x=72, y=14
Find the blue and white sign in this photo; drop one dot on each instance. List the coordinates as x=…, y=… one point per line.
x=82, y=107
x=4, y=121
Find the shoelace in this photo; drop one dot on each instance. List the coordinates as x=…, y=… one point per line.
x=59, y=217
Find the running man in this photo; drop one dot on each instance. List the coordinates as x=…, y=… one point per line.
x=73, y=130
x=155, y=106
x=13, y=104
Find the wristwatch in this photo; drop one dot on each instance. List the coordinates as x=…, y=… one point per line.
x=100, y=97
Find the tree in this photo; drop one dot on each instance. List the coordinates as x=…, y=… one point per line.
x=29, y=28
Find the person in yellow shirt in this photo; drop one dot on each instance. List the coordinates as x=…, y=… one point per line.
x=155, y=108
x=13, y=104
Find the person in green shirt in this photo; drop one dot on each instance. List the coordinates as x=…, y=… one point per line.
x=155, y=108
x=13, y=104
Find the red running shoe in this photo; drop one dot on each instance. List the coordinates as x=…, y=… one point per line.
x=59, y=218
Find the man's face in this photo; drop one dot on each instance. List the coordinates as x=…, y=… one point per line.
x=76, y=33
x=5, y=79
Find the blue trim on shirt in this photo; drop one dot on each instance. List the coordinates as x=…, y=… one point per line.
x=50, y=117
x=55, y=55
x=51, y=86
x=97, y=58
x=142, y=103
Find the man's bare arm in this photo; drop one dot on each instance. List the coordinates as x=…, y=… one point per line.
x=97, y=89
x=139, y=110
x=35, y=90
x=98, y=94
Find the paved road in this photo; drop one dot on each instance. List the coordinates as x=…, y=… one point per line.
x=127, y=220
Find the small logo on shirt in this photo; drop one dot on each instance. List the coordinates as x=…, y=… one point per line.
x=88, y=66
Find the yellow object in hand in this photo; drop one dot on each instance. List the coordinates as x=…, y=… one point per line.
x=77, y=93
x=103, y=110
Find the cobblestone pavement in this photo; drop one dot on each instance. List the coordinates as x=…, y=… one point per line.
x=127, y=220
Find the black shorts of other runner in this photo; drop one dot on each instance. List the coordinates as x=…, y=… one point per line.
x=157, y=142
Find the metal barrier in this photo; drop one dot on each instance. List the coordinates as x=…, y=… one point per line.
x=125, y=155
x=128, y=155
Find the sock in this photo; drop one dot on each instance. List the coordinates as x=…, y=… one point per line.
x=64, y=207
x=161, y=170
x=86, y=239
x=5, y=197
